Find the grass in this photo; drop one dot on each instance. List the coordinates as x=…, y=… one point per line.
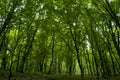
x=25, y=76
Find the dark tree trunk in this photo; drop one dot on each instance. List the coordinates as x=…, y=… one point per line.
x=51, y=64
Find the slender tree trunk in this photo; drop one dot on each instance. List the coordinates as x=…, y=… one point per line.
x=96, y=63
x=41, y=66
x=59, y=66
x=4, y=60
x=91, y=72
x=74, y=36
x=51, y=64
x=10, y=70
x=27, y=50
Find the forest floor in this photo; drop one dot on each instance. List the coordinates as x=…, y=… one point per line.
x=25, y=76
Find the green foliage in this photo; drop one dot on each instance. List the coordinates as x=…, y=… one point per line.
x=60, y=37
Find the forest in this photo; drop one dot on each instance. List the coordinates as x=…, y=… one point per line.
x=59, y=39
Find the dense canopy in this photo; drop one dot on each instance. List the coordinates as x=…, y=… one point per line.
x=60, y=37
